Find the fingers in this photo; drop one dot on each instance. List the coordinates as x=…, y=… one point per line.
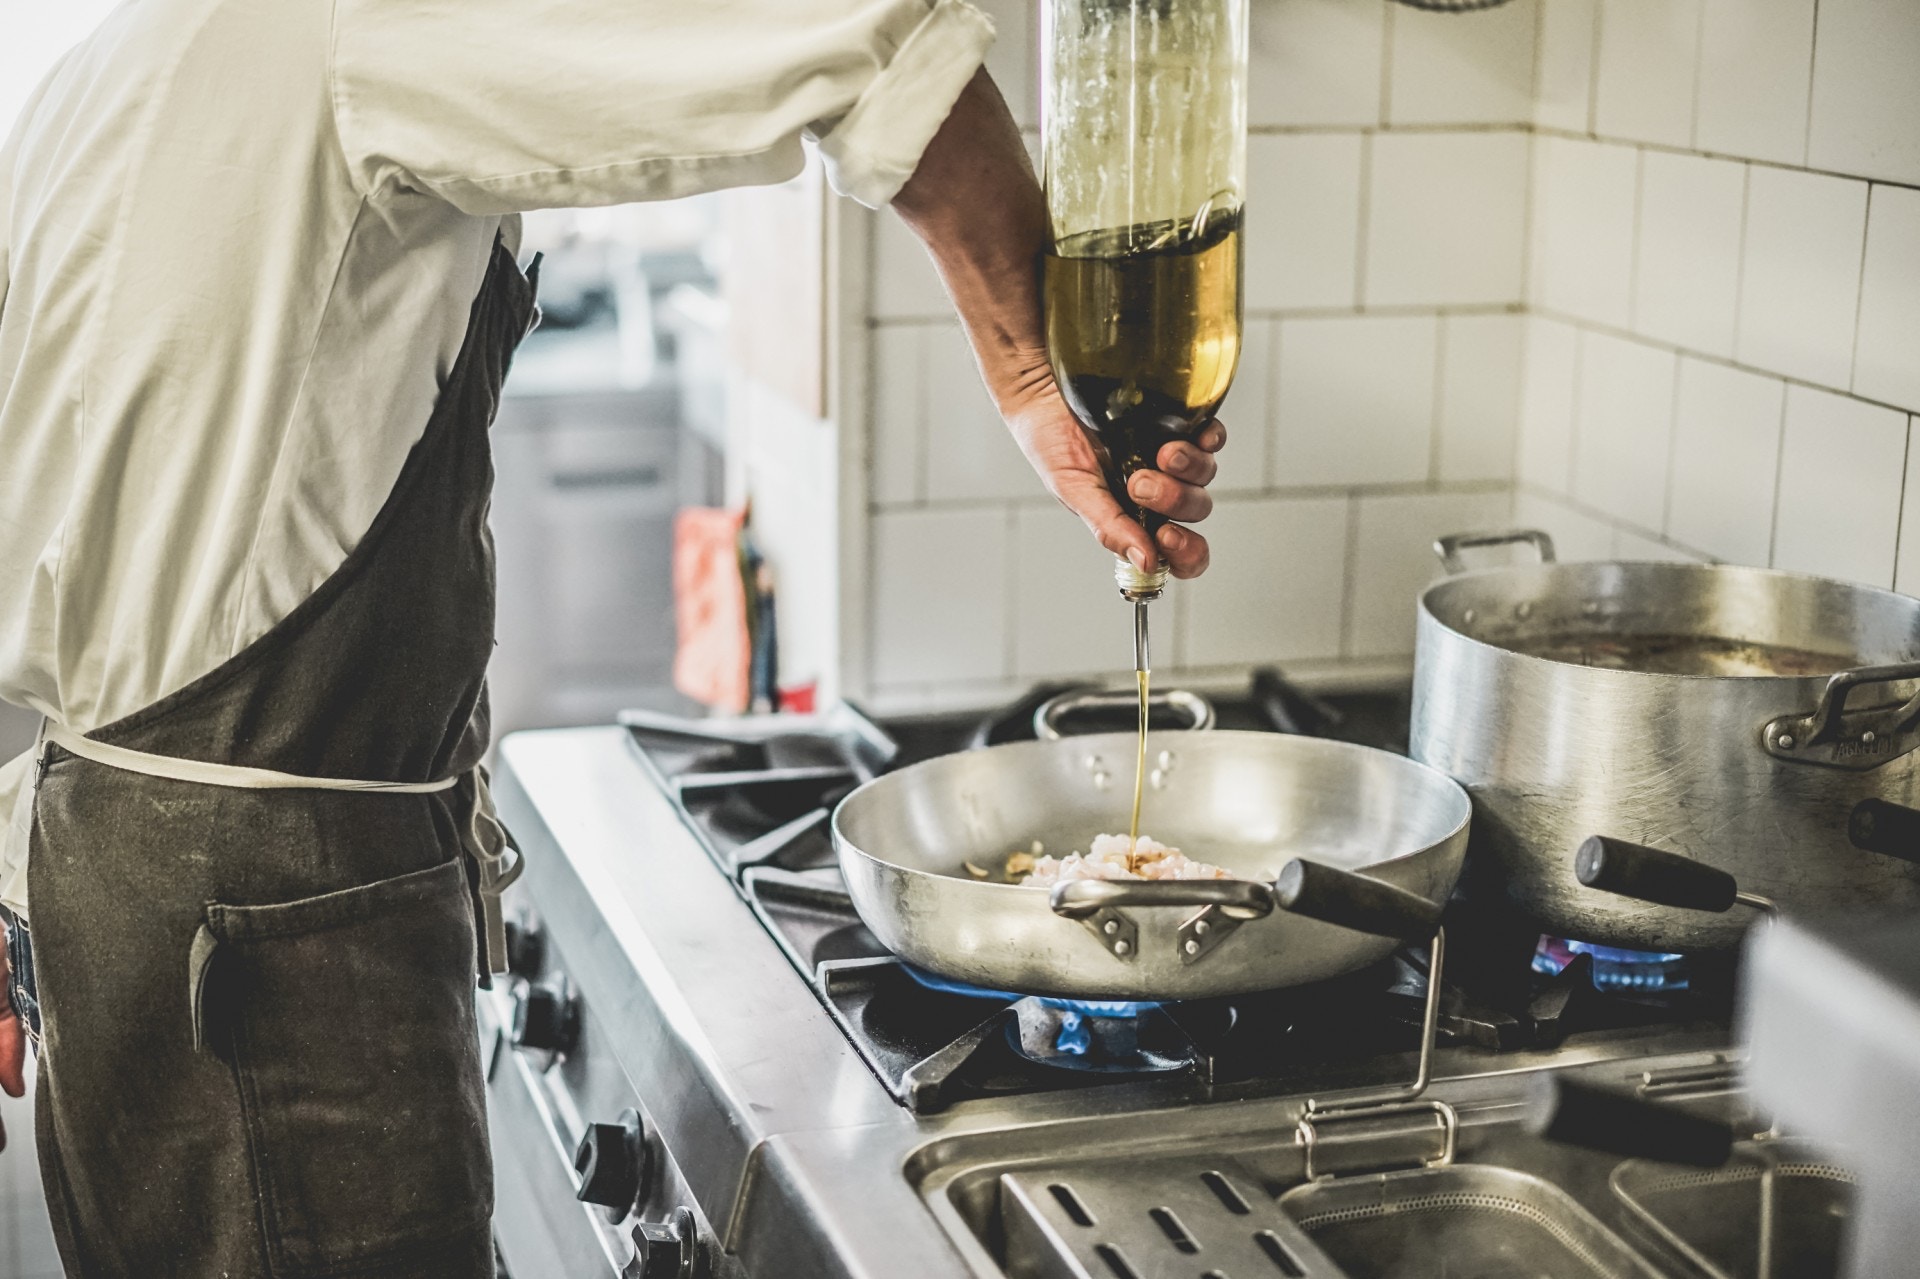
x=1172, y=498
x=1182, y=460
x=1185, y=551
x=13, y=1055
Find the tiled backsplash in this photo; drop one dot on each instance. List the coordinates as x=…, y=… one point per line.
x=1640, y=271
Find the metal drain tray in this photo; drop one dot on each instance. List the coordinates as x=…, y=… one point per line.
x=1776, y=1211
x=1158, y=1220
x=1467, y=1219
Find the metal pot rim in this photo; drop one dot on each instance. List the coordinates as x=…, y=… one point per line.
x=1578, y=568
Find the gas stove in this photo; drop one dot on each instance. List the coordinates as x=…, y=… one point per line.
x=707, y=1065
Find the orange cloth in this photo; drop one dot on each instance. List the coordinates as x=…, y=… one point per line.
x=714, y=657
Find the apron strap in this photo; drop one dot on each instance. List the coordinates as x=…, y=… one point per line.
x=497, y=863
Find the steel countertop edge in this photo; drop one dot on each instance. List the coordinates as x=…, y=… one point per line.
x=797, y=1154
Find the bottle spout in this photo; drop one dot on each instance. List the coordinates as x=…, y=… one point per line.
x=1135, y=585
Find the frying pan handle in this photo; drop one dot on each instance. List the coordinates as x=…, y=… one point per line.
x=1579, y=1114
x=1449, y=548
x=1353, y=901
x=1236, y=898
x=1653, y=875
x=1046, y=720
x=1891, y=829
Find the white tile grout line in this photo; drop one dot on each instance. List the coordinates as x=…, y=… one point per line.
x=1779, y=480
x=1614, y=523
x=1740, y=265
x=1366, y=216
x=1900, y=521
x=1639, y=227
x=1549, y=131
x=1593, y=71
x=1673, y=445
x=1611, y=330
x=1349, y=577
x=1700, y=73
x=1436, y=416
x=1813, y=63
x=1860, y=292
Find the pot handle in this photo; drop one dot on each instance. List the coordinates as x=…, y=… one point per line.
x=1449, y=548
x=1890, y=829
x=1867, y=739
x=1578, y=1114
x=1658, y=876
x=1197, y=709
x=1358, y=902
x=1235, y=898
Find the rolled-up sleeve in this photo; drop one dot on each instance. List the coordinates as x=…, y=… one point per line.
x=506, y=106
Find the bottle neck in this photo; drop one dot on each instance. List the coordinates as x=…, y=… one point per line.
x=1137, y=586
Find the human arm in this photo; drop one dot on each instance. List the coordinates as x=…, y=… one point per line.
x=975, y=203
x=13, y=1038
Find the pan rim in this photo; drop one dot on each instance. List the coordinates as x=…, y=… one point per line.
x=844, y=845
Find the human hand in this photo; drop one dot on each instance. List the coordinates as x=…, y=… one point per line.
x=1069, y=464
x=13, y=1040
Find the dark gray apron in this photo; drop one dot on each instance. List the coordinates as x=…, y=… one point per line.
x=259, y=1052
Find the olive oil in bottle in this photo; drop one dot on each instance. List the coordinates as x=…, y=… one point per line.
x=1143, y=330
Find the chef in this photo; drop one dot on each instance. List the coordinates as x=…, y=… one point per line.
x=259, y=286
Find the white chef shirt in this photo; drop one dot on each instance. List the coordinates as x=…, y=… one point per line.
x=239, y=240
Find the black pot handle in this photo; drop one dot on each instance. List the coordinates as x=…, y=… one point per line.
x=1579, y=1114
x=1359, y=902
x=1653, y=875
x=1891, y=829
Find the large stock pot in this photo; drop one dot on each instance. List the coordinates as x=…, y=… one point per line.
x=1735, y=716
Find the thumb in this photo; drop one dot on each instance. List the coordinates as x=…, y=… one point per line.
x=13, y=1056
x=1088, y=498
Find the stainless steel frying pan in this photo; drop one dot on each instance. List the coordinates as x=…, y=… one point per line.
x=1248, y=802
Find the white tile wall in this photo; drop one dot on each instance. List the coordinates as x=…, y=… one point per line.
x=1479, y=396
x=1887, y=363
x=939, y=604
x=1756, y=68
x=970, y=455
x=1866, y=97
x=1623, y=428
x=1689, y=262
x=1014, y=61
x=1394, y=560
x=1907, y=569
x=1248, y=412
x=1067, y=618
x=1238, y=611
x=1648, y=52
x=1303, y=219
x=1449, y=68
x=1316, y=62
x=1447, y=219
x=1726, y=461
x=1356, y=402
x=1549, y=376
x=1842, y=466
x=1563, y=91
x=899, y=386
x=1687, y=280
x=1800, y=282
x=1584, y=198
x=1577, y=534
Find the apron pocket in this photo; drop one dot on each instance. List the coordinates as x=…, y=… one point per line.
x=349, y=1020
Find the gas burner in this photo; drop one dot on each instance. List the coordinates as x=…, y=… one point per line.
x=1632, y=972
x=1101, y=1035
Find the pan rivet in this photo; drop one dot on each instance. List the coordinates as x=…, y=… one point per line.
x=1590, y=608
x=1192, y=947
x=1166, y=759
x=1158, y=777
x=1525, y=609
x=1468, y=617
x=1121, y=948
x=1201, y=926
x=1785, y=741
x=1867, y=738
x=1110, y=927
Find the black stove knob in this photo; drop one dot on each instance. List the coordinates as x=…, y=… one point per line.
x=612, y=1163
x=546, y=1018
x=526, y=949
x=665, y=1249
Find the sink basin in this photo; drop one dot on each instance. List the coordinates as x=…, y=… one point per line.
x=1775, y=1212
x=1443, y=1223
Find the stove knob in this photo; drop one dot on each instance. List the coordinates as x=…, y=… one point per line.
x=665, y=1249
x=526, y=949
x=546, y=1018
x=612, y=1163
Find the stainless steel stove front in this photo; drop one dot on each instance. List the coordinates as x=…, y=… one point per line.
x=788, y=1148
